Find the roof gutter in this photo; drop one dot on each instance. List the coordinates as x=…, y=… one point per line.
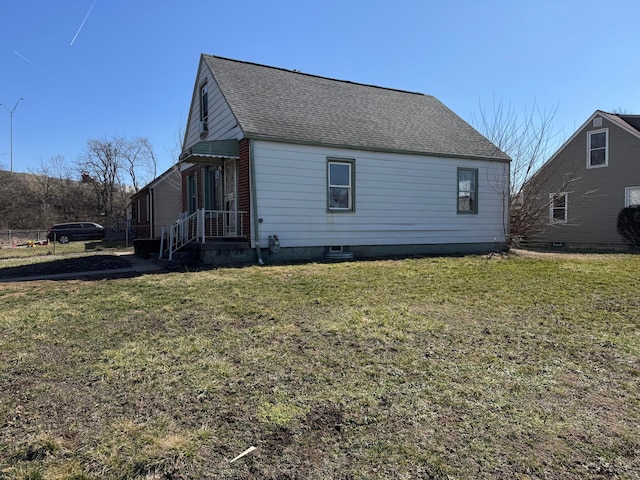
x=267, y=138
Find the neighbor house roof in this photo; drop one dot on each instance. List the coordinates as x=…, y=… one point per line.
x=284, y=105
x=630, y=123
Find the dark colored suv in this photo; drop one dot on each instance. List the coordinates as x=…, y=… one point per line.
x=66, y=232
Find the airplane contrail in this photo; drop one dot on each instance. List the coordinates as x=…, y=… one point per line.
x=83, y=21
x=23, y=57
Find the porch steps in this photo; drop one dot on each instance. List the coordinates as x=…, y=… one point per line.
x=213, y=253
x=182, y=260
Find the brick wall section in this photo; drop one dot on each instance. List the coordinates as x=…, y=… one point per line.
x=244, y=186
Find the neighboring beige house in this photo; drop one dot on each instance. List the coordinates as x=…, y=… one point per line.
x=586, y=183
x=156, y=205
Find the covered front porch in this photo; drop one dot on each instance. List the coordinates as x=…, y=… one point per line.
x=215, y=188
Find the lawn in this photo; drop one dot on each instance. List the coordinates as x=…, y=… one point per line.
x=519, y=367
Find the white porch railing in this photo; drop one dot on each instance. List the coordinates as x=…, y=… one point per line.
x=200, y=225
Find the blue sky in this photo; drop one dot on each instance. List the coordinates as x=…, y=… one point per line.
x=91, y=69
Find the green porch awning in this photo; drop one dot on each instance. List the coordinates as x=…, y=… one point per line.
x=202, y=152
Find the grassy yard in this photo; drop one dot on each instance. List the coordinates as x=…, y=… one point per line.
x=472, y=367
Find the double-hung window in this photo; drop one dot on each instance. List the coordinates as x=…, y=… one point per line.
x=598, y=148
x=467, y=190
x=632, y=197
x=204, y=102
x=558, y=207
x=340, y=185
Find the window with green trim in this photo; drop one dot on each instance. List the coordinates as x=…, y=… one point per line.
x=340, y=185
x=467, y=190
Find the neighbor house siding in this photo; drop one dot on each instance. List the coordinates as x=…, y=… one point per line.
x=595, y=195
x=399, y=199
x=222, y=123
x=166, y=201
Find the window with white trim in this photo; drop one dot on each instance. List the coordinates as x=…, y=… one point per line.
x=340, y=185
x=467, y=190
x=598, y=148
x=632, y=197
x=558, y=207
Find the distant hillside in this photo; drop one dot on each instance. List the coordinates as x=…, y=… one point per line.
x=31, y=201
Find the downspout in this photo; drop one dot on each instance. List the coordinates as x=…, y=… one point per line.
x=254, y=203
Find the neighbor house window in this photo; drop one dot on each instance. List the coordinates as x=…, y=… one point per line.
x=204, y=102
x=632, y=197
x=598, y=148
x=467, y=190
x=558, y=207
x=340, y=181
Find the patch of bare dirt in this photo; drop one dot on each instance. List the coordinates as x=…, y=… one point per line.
x=90, y=263
x=523, y=253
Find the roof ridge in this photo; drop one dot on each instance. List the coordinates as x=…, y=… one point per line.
x=317, y=76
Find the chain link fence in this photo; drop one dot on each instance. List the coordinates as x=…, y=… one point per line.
x=115, y=229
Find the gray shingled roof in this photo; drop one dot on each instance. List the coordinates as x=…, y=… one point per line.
x=633, y=120
x=278, y=104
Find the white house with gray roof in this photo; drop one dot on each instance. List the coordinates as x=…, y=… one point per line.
x=280, y=165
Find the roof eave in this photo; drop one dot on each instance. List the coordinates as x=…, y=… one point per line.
x=267, y=138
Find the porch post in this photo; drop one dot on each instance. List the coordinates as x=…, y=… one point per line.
x=171, y=242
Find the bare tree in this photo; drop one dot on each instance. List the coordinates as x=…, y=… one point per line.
x=116, y=167
x=50, y=192
x=139, y=161
x=529, y=139
x=60, y=194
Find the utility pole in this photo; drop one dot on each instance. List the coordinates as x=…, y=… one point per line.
x=11, y=127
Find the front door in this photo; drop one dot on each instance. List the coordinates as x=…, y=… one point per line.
x=230, y=198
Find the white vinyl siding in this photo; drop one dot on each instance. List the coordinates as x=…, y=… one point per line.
x=220, y=120
x=401, y=199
